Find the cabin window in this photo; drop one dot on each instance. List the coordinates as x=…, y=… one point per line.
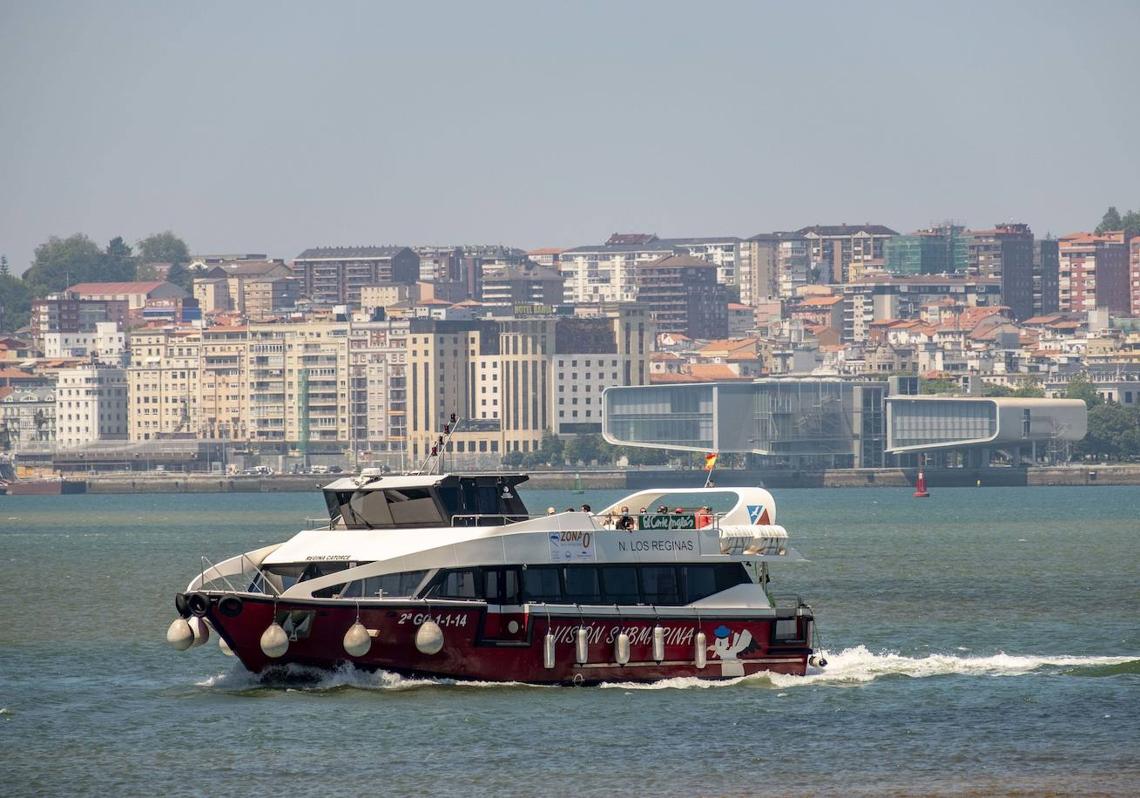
x=660, y=585
x=582, y=585
x=702, y=581
x=501, y=585
x=412, y=506
x=542, y=585
x=399, y=585
x=619, y=585
x=459, y=584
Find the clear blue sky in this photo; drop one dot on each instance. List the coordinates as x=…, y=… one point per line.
x=271, y=126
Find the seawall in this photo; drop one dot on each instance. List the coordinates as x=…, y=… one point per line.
x=634, y=479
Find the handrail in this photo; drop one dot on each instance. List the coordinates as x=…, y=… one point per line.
x=260, y=575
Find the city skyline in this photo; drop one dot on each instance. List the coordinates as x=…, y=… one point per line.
x=274, y=129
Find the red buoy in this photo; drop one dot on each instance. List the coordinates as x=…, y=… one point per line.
x=920, y=491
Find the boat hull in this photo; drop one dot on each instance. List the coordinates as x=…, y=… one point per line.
x=489, y=646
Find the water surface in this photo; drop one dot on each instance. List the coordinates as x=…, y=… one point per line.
x=983, y=641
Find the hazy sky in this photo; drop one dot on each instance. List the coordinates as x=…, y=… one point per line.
x=273, y=126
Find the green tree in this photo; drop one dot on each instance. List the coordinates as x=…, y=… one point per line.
x=940, y=385
x=1114, y=432
x=551, y=447
x=15, y=303
x=512, y=459
x=164, y=247
x=1131, y=225
x=997, y=390
x=119, y=264
x=3, y=265
x=1110, y=221
x=1081, y=388
x=60, y=262
x=1027, y=390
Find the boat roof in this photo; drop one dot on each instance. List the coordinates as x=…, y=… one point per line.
x=376, y=481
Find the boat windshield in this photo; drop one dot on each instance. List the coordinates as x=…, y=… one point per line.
x=465, y=501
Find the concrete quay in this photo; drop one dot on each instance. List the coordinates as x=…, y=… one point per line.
x=635, y=479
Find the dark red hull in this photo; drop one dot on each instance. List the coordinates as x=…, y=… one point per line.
x=482, y=645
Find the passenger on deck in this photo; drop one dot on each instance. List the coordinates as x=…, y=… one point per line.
x=586, y=508
x=704, y=517
x=626, y=521
x=550, y=511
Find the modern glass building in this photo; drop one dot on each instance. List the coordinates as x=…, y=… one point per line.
x=824, y=423
x=813, y=423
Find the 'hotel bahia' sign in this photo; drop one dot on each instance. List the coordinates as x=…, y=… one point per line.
x=667, y=521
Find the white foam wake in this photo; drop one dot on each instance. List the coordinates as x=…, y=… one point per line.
x=851, y=666
x=858, y=665
x=296, y=677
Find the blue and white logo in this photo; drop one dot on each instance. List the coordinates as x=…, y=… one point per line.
x=754, y=512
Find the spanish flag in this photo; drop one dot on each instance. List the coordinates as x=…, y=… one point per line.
x=710, y=461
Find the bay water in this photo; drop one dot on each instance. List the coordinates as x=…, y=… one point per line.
x=983, y=641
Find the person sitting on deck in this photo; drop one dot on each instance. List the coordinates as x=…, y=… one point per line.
x=704, y=517
x=586, y=508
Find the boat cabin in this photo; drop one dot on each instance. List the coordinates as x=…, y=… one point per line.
x=376, y=501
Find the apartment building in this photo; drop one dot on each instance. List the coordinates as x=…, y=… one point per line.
x=882, y=297
x=257, y=289
x=776, y=266
x=683, y=295
x=105, y=344
x=1134, y=274
x=935, y=250
x=66, y=313
x=91, y=406
x=591, y=355
x=1046, y=277
x=527, y=284
x=1093, y=273
x=27, y=419
x=842, y=252
x=608, y=272
x=164, y=384
x=334, y=275
x=378, y=386
x=1006, y=253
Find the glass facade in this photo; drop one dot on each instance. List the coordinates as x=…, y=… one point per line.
x=800, y=423
x=679, y=416
x=931, y=422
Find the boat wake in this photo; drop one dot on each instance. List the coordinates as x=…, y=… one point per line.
x=345, y=677
x=858, y=665
x=852, y=666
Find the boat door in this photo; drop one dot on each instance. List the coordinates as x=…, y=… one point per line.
x=505, y=622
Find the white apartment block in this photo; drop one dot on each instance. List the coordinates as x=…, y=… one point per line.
x=91, y=406
x=105, y=344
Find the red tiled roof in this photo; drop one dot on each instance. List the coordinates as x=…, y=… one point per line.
x=144, y=287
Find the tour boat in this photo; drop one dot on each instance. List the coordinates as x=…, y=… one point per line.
x=447, y=575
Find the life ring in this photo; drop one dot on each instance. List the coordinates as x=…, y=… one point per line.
x=230, y=606
x=198, y=603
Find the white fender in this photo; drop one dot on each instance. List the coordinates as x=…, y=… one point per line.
x=179, y=634
x=700, y=654
x=201, y=630
x=548, y=651
x=582, y=646
x=225, y=647
x=621, y=649
x=429, y=638
x=274, y=641
x=357, y=641
x=658, y=643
